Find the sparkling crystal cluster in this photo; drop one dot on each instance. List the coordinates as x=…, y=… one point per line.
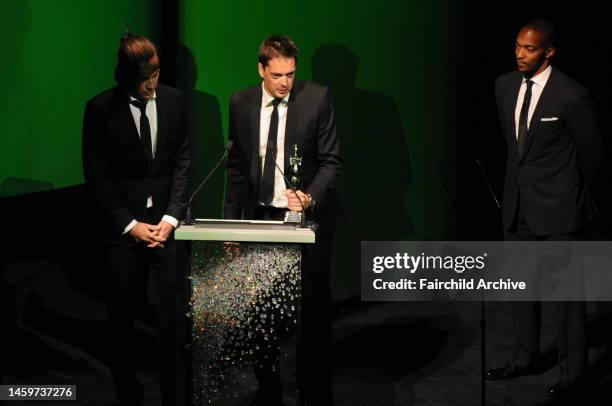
x=243, y=296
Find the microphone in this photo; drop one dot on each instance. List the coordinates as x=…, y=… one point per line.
x=303, y=221
x=188, y=216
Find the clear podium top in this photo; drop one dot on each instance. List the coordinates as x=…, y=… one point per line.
x=245, y=231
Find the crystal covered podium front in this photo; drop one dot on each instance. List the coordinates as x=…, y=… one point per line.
x=245, y=290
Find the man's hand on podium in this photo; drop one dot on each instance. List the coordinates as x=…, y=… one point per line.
x=147, y=233
x=293, y=203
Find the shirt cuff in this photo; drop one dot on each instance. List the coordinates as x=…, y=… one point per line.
x=170, y=220
x=129, y=227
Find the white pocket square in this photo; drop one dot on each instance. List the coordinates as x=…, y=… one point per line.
x=549, y=118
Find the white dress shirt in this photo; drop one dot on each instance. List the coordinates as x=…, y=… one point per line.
x=539, y=81
x=151, y=111
x=279, y=200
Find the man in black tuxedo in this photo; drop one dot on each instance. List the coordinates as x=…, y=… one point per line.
x=136, y=161
x=266, y=122
x=554, y=147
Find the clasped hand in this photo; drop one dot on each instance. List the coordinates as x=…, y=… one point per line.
x=153, y=235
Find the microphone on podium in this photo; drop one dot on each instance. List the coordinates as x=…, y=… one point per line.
x=189, y=220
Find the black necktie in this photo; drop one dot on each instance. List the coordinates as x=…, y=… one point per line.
x=522, y=128
x=145, y=129
x=266, y=192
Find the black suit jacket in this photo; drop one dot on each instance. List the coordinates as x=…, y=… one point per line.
x=561, y=155
x=117, y=169
x=310, y=124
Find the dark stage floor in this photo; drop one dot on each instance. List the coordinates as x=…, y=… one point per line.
x=385, y=353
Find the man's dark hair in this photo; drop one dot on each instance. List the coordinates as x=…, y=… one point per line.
x=546, y=28
x=277, y=46
x=133, y=51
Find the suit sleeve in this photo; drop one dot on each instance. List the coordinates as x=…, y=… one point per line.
x=236, y=170
x=328, y=152
x=498, y=86
x=584, y=128
x=182, y=163
x=96, y=170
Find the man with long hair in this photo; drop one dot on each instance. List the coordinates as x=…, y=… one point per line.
x=136, y=161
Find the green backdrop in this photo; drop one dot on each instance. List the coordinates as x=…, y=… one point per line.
x=57, y=55
x=387, y=64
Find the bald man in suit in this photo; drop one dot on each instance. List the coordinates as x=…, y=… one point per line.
x=554, y=148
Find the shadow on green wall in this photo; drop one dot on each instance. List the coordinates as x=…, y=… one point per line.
x=206, y=137
x=376, y=163
x=13, y=186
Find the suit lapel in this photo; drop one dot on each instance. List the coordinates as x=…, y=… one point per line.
x=161, y=130
x=538, y=113
x=290, y=124
x=511, y=107
x=510, y=100
x=123, y=123
x=255, y=107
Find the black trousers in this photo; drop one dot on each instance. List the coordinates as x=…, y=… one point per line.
x=137, y=275
x=316, y=327
x=570, y=318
